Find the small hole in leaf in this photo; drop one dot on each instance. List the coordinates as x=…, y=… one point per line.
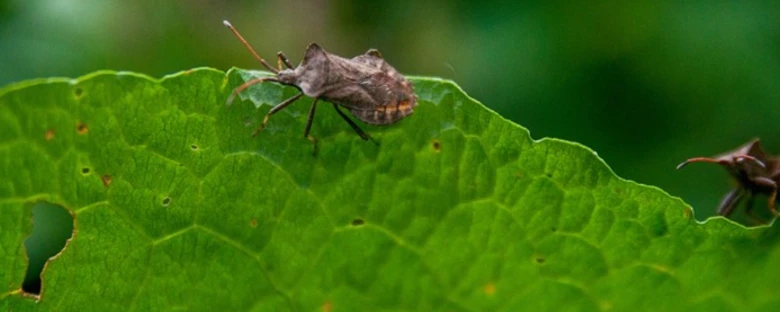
x=358, y=222
x=106, y=179
x=437, y=145
x=78, y=92
x=166, y=201
x=85, y=170
x=540, y=260
x=52, y=227
x=82, y=128
x=194, y=147
x=49, y=135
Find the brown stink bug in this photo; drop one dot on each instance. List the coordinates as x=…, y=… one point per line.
x=755, y=173
x=365, y=85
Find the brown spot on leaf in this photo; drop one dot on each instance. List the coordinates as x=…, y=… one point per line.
x=106, y=180
x=687, y=212
x=327, y=307
x=489, y=289
x=49, y=134
x=85, y=170
x=82, y=128
x=78, y=92
x=540, y=260
x=253, y=223
x=436, y=145
x=358, y=221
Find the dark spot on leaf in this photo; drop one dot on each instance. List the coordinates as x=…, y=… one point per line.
x=549, y=175
x=554, y=229
x=253, y=223
x=687, y=213
x=106, y=180
x=540, y=260
x=358, y=221
x=52, y=227
x=85, y=170
x=166, y=201
x=78, y=92
x=194, y=147
x=49, y=134
x=436, y=145
x=82, y=128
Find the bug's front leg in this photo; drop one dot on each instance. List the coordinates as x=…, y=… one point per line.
x=309, y=121
x=275, y=109
x=729, y=202
x=768, y=183
x=281, y=58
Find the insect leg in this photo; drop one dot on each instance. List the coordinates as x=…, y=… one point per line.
x=283, y=58
x=246, y=44
x=354, y=126
x=306, y=134
x=728, y=203
x=749, y=211
x=248, y=84
x=275, y=109
x=766, y=182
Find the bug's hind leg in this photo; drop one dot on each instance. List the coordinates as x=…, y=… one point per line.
x=354, y=126
x=275, y=109
x=749, y=212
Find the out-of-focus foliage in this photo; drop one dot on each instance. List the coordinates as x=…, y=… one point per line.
x=644, y=84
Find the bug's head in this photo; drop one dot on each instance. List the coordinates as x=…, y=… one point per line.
x=747, y=161
x=287, y=76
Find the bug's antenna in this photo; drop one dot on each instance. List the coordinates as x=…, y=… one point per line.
x=246, y=44
x=697, y=159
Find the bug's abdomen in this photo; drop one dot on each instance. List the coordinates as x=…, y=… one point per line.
x=386, y=114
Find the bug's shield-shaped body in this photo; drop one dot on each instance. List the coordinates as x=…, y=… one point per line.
x=366, y=85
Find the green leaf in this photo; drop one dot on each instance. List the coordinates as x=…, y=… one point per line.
x=457, y=209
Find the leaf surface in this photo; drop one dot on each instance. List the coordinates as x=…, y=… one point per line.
x=456, y=209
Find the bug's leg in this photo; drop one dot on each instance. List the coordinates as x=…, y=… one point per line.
x=275, y=109
x=728, y=203
x=354, y=126
x=309, y=121
x=749, y=211
x=283, y=59
x=768, y=183
x=248, y=84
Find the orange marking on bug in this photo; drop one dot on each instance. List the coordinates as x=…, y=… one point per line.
x=49, y=134
x=490, y=289
x=404, y=106
x=106, y=179
x=82, y=128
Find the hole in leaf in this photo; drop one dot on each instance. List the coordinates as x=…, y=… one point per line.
x=358, y=222
x=78, y=92
x=194, y=147
x=82, y=128
x=436, y=145
x=52, y=227
x=106, y=180
x=49, y=134
x=85, y=170
x=166, y=201
x=540, y=260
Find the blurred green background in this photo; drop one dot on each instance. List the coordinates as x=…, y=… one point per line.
x=646, y=84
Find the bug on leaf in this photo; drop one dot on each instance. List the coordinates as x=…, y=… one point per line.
x=755, y=172
x=366, y=85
